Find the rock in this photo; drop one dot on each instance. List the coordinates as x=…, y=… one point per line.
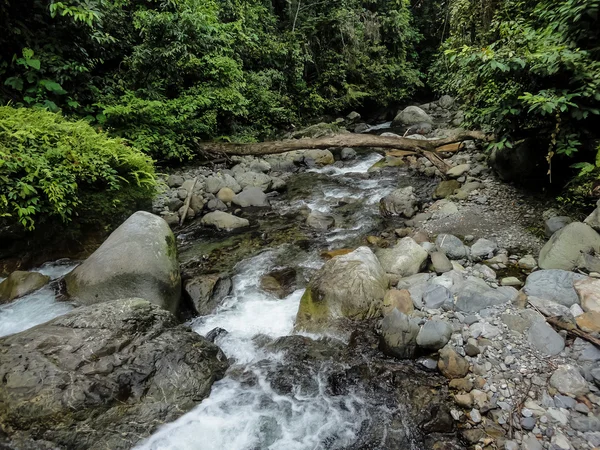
x=436, y=296
x=197, y=203
x=564, y=247
x=251, y=196
x=510, y=281
x=405, y=258
x=543, y=337
x=522, y=320
x=553, y=224
x=398, y=299
x=589, y=263
x=528, y=423
x=458, y=171
x=463, y=400
x=476, y=295
x=320, y=220
x=446, y=102
x=214, y=184
x=525, y=162
x=446, y=188
x=350, y=286
x=593, y=220
x=398, y=335
x=215, y=204
x=527, y=262
x=483, y=249
x=434, y=335
x=441, y=263
x=475, y=416
x=138, y=259
x=568, y=381
x=174, y=181
x=105, y=375
x=21, y=283
x=585, y=423
x=451, y=364
x=226, y=195
x=554, y=285
x=174, y=204
x=588, y=292
x=531, y=443
x=260, y=166
x=224, y=221
x=401, y=202
x=171, y=218
x=348, y=154
x=451, y=246
x=412, y=115
x=207, y=291
x=280, y=283
x=589, y=322
x=254, y=179
x=353, y=117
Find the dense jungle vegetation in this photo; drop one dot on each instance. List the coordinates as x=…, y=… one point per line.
x=116, y=84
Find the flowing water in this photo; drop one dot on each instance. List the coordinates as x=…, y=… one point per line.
x=243, y=415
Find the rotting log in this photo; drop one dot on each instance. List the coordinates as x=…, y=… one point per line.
x=340, y=141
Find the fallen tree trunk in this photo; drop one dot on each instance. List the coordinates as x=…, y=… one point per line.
x=340, y=141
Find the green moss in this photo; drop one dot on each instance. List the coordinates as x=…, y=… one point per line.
x=312, y=310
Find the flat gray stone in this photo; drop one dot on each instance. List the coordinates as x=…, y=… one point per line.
x=555, y=285
x=434, y=335
x=543, y=337
x=563, y=249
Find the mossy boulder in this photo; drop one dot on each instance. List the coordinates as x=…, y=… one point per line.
x=350, y=286
x=139, y=259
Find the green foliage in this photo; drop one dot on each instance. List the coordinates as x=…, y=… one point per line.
x=533, y=72
x=53, y=170
x=167, y=74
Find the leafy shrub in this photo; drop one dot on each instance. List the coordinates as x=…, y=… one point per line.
x=53, y=170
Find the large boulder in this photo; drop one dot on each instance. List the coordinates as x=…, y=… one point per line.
x=102, y=376
x=224, y=221
x=139, y=259
x=555, y=285
x=350, y=286
x=405, y=258
x=279, y=282
x=401, y=202
x=593, y=220
x=411, y=115
x=21, y=283
x=563, y=249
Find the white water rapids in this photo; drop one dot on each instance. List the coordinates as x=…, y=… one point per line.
x=237, y=415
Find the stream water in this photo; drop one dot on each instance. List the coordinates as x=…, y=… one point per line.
x=242, y=415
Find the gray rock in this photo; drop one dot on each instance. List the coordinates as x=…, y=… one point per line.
x=260, y=166
x=477, y=295
x=563, y=401
x=20, y=283
x=401, y=202
x=175, y=181
x=436, y=296
x=563, y=249
x=405, y=258
x=215, y=183
x=555, y=285
x=224, y=221
x=555, y=223
x=522, y=320
x=528, y=423
x=441, y=263
x=138, y=259
x=543, y=337
x=348, y=154
x=567, y=380
x=593, y=220
x=446, y=101
x=434, y=335
x=174, y=204
x=548, y=307
x=215, y=204
x=254, y=179
x=411, y=115
x=483, y=249
x=320, y=220
x=207, y=291
x=458, y=171
x=531, y=443
x=106, y=375
x=527, y=262
x=413, y=280
x=398, y=335
x=251, y=196
x=589, y=263
x=451, y=246
x=349, y=286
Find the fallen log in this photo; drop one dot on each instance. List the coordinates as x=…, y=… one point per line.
x=340, y=141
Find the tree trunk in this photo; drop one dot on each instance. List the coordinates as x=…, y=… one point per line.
x=340, y=141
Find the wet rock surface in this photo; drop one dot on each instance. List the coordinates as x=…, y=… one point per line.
x=102, y=376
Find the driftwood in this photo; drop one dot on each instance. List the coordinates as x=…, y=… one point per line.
x=573, y=331
x=340, y=141
x=186, y=204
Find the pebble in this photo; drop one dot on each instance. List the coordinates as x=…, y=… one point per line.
x=528, y=423
x=475, y=416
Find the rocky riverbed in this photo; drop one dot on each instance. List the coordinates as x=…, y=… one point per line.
x=331, y=299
